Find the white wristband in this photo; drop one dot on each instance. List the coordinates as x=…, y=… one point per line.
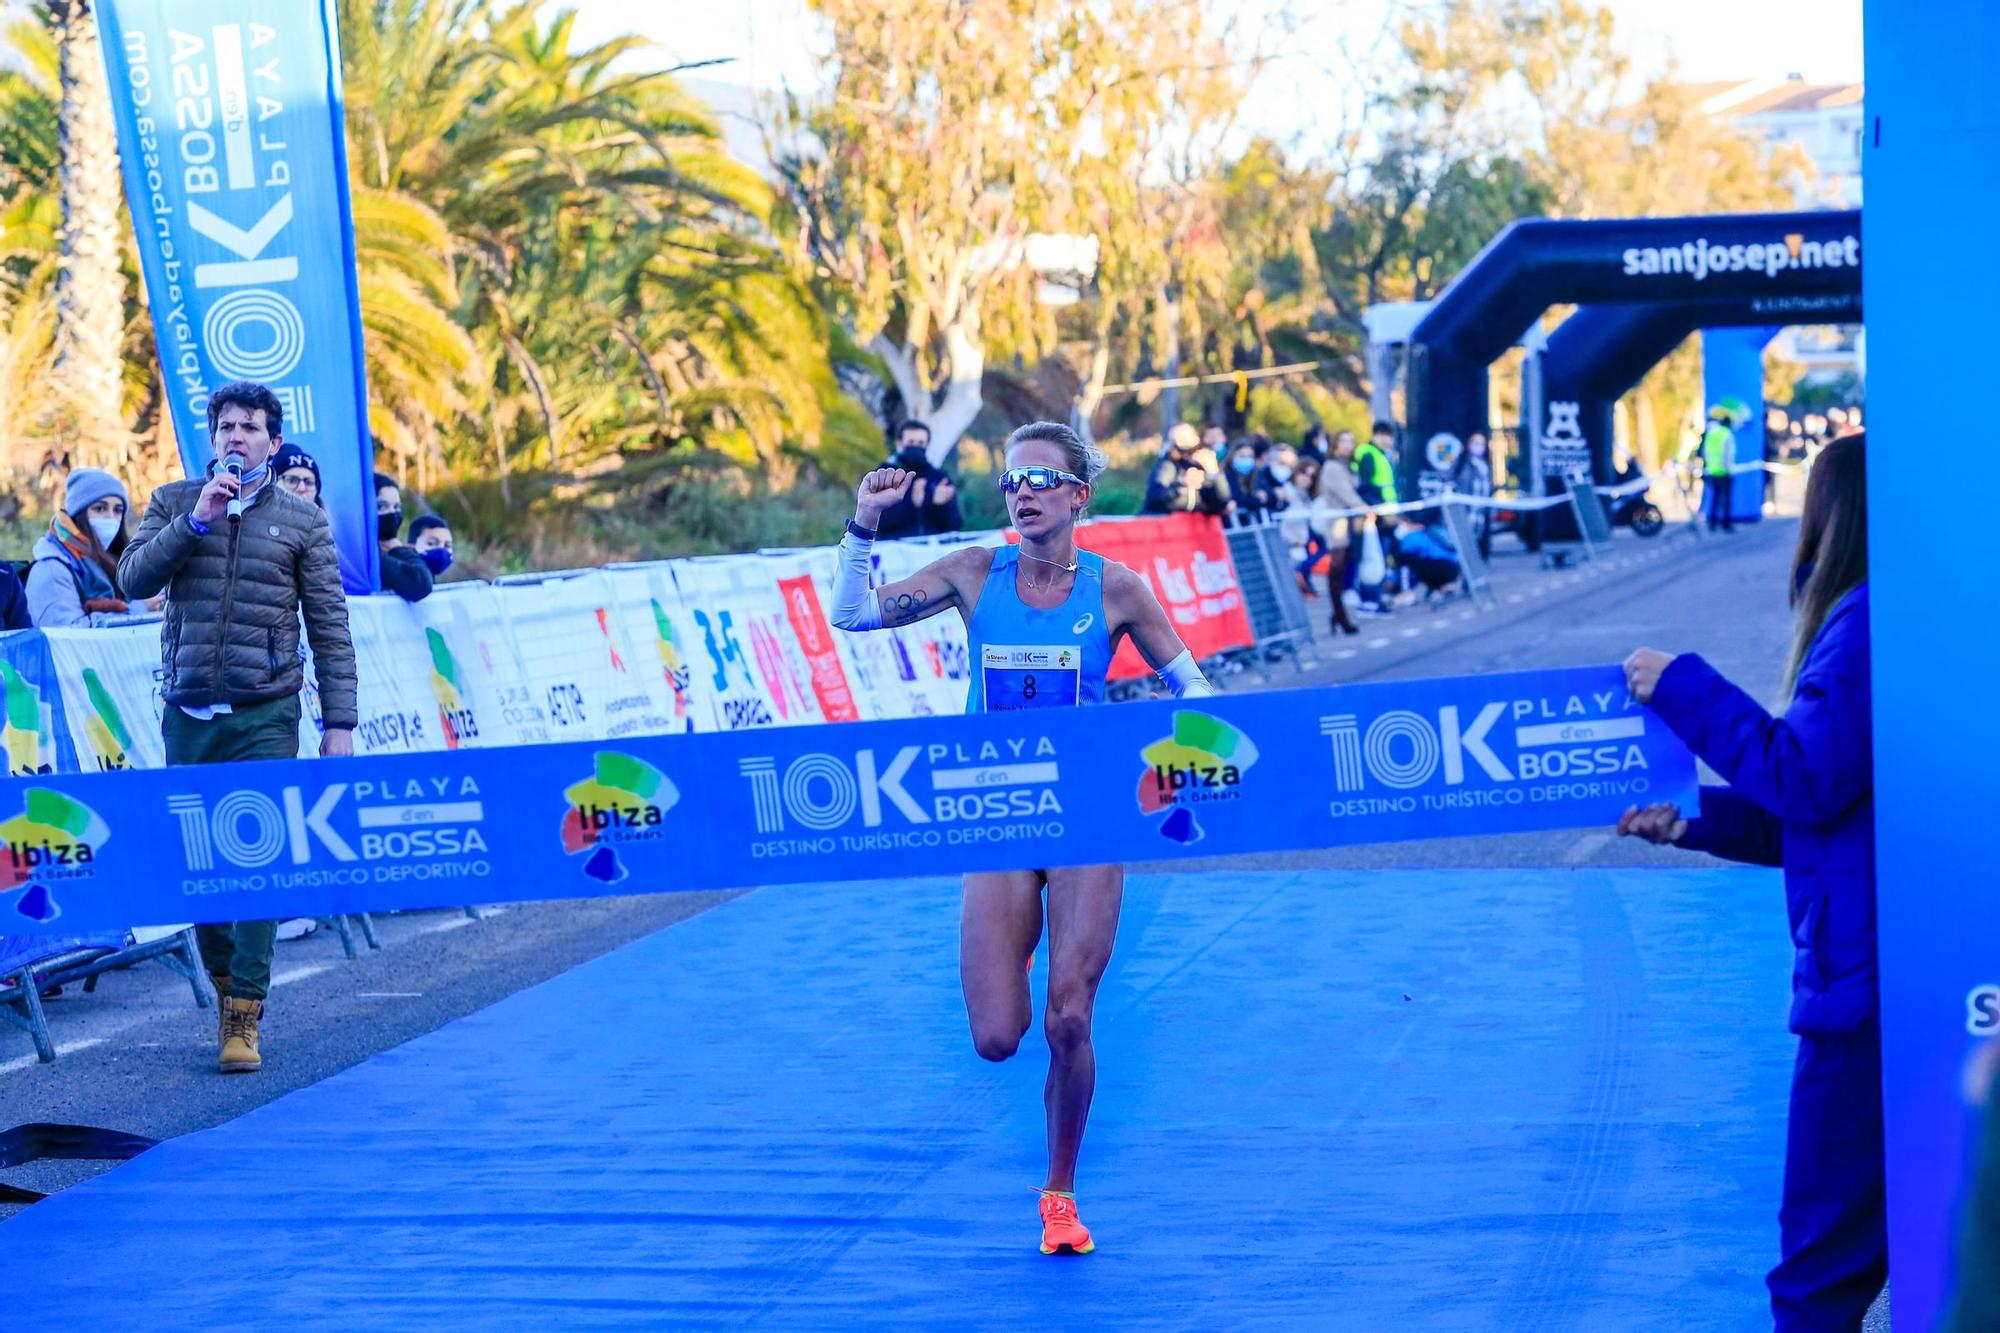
x=854, y=603
x=1184, y=678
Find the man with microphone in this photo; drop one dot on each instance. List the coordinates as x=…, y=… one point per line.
x=239, y=559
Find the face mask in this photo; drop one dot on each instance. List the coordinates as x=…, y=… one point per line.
x=107, y=530
x=386, y=525
x=1243, y=467
x=1281, y=472
x=438, y=558
x=912, y=459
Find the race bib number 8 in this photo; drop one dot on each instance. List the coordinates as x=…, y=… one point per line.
x=1029, y=677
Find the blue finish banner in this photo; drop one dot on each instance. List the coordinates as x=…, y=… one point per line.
x=230, y=130
x=873, y=800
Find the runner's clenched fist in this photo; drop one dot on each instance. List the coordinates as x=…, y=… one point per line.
x=880, y=489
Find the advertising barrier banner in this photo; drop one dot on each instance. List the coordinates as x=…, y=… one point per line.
x=231, y=135
x=34, y=724
x=1035, y=788
x=109, y=685
x=1185, y=560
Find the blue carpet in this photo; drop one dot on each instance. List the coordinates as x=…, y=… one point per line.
x=1327, y=1100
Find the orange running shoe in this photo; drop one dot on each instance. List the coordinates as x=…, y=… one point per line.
x=1062, y=1230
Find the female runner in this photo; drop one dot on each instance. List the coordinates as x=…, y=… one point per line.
x=1029, y=610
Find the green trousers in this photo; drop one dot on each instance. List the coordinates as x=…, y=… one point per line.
x=242, y=950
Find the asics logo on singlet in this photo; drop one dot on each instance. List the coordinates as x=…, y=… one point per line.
x=1083, y=622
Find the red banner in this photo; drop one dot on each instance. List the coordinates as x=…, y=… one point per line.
x=1185, y=560
x=829, y=679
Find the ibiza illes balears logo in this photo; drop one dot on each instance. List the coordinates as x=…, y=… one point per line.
x=625, y=800
x=1201, y=763
x=54, y=839
x=456, y=718
x=25, y=729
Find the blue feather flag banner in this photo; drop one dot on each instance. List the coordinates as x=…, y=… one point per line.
x=234, y=152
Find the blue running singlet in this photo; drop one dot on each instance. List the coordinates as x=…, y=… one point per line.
x=1023, y=657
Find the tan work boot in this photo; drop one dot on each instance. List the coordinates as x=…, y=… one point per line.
x=221, y=985
x=239, y=1036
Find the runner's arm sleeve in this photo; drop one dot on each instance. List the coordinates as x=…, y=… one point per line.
x=854, y=603
x=1184, y=678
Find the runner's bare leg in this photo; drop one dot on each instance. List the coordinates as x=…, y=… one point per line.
x=1000, y=920
x=1083, y=922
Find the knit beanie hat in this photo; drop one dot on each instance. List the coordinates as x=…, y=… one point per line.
x=85, y=486
x=289, y=456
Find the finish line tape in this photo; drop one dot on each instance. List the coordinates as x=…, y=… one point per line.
x=1263, y=772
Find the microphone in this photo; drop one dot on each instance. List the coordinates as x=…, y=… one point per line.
x=234, y=467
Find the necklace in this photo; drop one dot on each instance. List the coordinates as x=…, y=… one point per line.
x=1059, y=566
x=1069, y=568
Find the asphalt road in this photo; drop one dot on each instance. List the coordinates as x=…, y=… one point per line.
x=138, y=1056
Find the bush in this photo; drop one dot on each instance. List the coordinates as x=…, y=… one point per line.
x=1121, y=490
x=656, y=507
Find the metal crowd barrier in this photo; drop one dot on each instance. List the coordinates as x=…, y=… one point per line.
x=1271, y=593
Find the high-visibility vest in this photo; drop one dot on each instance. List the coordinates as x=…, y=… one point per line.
x=1373, y=469
x=1718, y=449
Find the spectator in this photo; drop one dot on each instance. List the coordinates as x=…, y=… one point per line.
x=1297, y=521
x=74, y=578
x=1374, y=468
x=1215, y=439
x=931, y=504
x=403, y=570
x=1975, y=1306
x=1718, y=469
x=1375, y=478
x=231, y=672
x=1315, y=444
x=1186, y=480
x=297, y=472
x=1272, y=482
x=1243, y=479
x=1336, y=491
x=1427, y=553
x=1474, y=476
x=430, y=537
x=1801, y=795
x=13, y=599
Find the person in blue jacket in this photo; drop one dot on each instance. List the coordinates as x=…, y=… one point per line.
x=1800, y=795
x=1427, y=553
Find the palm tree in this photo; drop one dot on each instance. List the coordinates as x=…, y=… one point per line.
x=612, y=262
x=557, y=260
x=90, y=278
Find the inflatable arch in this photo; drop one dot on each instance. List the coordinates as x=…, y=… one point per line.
x=1643, y=283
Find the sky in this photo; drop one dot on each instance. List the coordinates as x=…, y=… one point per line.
x=769, y=42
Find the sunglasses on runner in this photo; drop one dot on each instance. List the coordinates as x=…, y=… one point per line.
x=1037, y=479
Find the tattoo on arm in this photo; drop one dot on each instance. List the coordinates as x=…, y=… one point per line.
x=904, y=607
